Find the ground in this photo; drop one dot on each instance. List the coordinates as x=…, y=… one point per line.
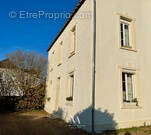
x=38, y=123
x=33, y=123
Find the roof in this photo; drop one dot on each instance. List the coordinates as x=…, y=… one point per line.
x=76, y=9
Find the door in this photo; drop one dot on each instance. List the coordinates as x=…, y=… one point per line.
x=57, y=94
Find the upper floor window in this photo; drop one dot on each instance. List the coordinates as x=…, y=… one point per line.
x=52, y=60
x=127, y=35
x=60, y=53
x=72, y=40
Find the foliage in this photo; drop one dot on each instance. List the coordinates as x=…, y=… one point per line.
x=135, y=101
x=33, y=99
x=8, y=103
x=29, y=70
x=49, y=98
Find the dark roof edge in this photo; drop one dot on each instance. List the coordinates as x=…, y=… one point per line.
x=76, y=9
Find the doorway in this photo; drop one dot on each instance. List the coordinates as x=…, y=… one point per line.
x=57, y=94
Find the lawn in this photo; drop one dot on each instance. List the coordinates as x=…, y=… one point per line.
x=38, y=123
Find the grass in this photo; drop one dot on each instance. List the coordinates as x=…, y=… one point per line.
x=130, y=131
x=37, y=123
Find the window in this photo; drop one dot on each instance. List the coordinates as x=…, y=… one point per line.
x=72, y=40
x=52, y=60
x=60, y=53
x=70, y=87
x=50, y=89
x=127, y=33
x=125, y=41
x=125, y=28
x=128, y=87
x=49, y=92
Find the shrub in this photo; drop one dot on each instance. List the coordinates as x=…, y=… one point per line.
x=33, y=99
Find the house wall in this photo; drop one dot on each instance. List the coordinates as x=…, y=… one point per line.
x=110, y=112
x=80, y=63
x=110, y=59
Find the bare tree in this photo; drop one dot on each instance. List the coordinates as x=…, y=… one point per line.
x=17, y=58
x=30, y=62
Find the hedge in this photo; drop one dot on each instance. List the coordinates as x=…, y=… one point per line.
x=33, y=99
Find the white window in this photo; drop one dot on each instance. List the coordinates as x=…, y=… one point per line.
x=50, y=89
x=128, y=87
x=125, y=28
x=60, y=52
x=70, y=87
x=52, y=60
x=72, y=40
x=49, y=92
x=71, y=84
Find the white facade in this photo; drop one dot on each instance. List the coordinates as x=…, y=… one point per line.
x=120, y=102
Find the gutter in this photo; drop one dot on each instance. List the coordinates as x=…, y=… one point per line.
x=93, y=67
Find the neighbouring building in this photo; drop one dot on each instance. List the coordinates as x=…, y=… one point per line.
x=100, y=65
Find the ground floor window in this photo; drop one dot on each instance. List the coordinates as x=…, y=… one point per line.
x=70, y=87
x=128, y=87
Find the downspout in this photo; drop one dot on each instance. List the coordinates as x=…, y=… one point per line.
x=93, y=67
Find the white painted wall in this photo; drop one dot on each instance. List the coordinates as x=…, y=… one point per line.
x=80, y=63
x=109, y=57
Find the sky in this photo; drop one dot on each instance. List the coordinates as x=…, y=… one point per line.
x=31, y=25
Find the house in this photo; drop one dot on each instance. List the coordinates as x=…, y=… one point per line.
x=99, y=67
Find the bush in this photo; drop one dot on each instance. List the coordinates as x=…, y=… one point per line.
x=33, y=99
x=8, y=103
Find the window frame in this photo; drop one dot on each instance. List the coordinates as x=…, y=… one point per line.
x=60, y=55
x=70, y=91
x=49, y=91
x=126, y=23
x=73, y=41
x=126, y=85
x=130, y=105
x=132, y=36
x=52, y=60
